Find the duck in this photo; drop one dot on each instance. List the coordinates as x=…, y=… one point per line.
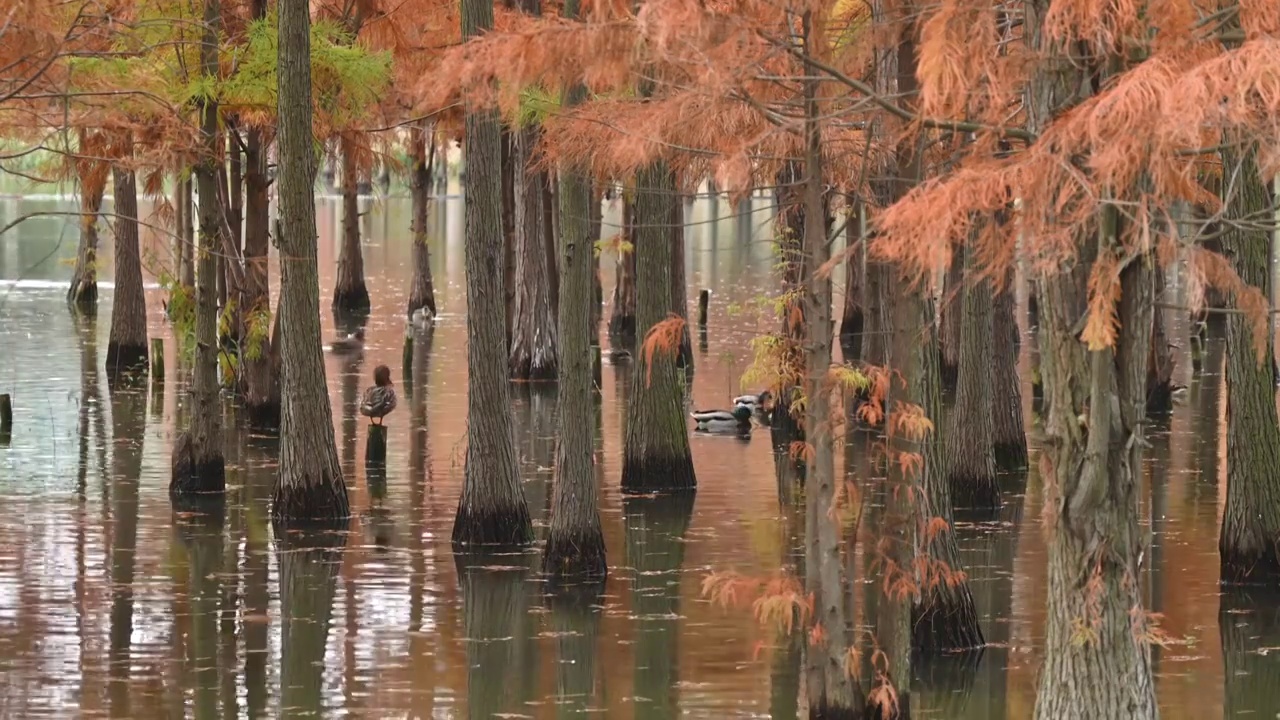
x=758, y=403
x=736, y=420
x=421, y=319
x=350, y=343
x=379, y=400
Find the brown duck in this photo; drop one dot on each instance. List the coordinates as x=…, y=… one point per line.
x=379, y=400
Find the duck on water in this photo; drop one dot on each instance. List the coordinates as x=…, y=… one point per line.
x=737, y=420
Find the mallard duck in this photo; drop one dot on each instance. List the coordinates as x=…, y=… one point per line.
x=350, y=343
x=759, y=403
x=379, y=400
x=736, y=420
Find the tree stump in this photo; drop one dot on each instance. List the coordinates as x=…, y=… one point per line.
x=157, y=360
x=375, y=449
x=6, y=412
x=704, y=299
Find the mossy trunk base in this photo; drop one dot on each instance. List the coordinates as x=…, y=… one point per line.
x=576, y=555
x=125, y=360
x=264, y=415
x=658, y=474
x=1253, y=566
x=502, y=526
x=975, y=493
x=945, y=621
x=305, y=501
x=352, y=300
x=192, y=475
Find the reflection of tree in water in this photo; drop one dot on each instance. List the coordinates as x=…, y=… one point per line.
x=309, y=564
x=424, y=646
x=198, y=524
x=575, y=621
x=127, y=430
x=784, y=668
x=349, y=379
x=655, y=529
x=1249, y=624
x=260, y=454
x=495, y=607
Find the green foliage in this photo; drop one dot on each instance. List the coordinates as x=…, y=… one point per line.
x=536, y=106
x=257, y=334
x=182, y=312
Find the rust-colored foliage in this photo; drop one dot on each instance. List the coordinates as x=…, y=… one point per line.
x=664, y=337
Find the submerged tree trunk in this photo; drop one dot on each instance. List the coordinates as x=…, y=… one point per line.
x=127, y=349
x=1251, y=519
x=259, y=381
x=422, y=292
x=622, y=320
x=83, y=292
x=198, y=465
x=534, y=342
x=310, y=486
x=656, y=455
x=1008, y=435
x=350, y=295
x=492, y=509
x=950, y=313
x=970, y=464
x=575, y=543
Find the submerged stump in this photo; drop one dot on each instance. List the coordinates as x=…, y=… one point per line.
x=157, y=360
x=375, y=449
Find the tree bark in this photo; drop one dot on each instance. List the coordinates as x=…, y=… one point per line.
x=127, y=348
x=188, y=239
x=260, y=382
x=197, y=463
x=970, y=464
x=679, y=284
x=83, y=292
x=506, y=147
x=656, y=455
x=622, y=319
x=575, y=543
x=950, y=313
x=1251, y=519
x=1160, y=385
x=310, y=486
x=852, y=321
x=1008, y=435
x=350, y=295
x=492, y=509
x=422, y=293
x=534, y=342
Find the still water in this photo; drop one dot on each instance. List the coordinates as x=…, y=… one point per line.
x=113, y=605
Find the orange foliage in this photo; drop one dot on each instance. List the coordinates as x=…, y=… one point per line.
x=664, y=337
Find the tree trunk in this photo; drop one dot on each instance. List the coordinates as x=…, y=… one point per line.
x=851, y=324
x=188, y=240
x=310, y=485
x=597, y=287
x=1160, y=385
x=654, y=530
x=350, y=295
x=950, y=313
x=679, y=284
x=622, y=321
x=507, y=152
x=492, y=509
x=784, y=426
x=83, y=292
x=260, y=381
x=534, y=342
x=656, y=454
x=1251, y=519
x=127, y=348
x=551, y=212
x=575, y=545
x=422, y=293
x=971, y=466
x=1008, y=436
x=198, y=465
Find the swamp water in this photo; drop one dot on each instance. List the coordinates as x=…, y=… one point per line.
x=113, y=605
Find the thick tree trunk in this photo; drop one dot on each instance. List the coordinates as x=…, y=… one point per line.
x=534, y=341
x=622, y=320
x=656, y=455
x=350, y=295
x=127, y=349
x=492, y=509
x=784, y=425
x=422, y=293
x=188, y=239
x=309, y=565
x=83, y=292
x=507, y=151
x=197, y=462
x=260, y=384
x=1008, y=435
x=597, y=307
x=310, y=486
x=950, y=314
x=1160, y=366
x=970, y=464
x=575, y=544
x=679, y=284
x=654, y=529
x=551, y=213
x=1251, y=519
x=852, y=321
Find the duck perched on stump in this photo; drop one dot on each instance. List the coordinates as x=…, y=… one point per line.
x=736, y=420
x=379, y=400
